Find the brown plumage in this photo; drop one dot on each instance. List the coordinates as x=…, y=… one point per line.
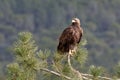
x=70, y=38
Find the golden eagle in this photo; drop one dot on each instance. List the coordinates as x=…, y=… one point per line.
x=70, y=38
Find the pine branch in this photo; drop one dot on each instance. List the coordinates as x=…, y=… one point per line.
x=82, y=75
x=100, y=77
x=56, y=66
x=58, y=74
x=75, y=71
x=55, y=73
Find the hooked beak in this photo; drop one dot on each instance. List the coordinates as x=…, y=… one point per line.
x=73, y=21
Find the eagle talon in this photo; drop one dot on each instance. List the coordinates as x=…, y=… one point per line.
x=72, y=52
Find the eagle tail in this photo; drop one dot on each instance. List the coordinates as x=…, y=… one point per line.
x=62, y=48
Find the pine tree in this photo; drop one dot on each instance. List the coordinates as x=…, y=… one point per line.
x=25, y=64
x=32, y=64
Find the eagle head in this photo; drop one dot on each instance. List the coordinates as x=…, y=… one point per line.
x=75, y=21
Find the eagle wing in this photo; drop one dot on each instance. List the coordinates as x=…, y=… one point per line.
x=67, y=35
x=68, y=39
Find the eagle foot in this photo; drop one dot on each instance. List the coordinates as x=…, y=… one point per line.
x=72, y=52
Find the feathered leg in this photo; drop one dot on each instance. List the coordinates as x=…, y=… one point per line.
x=73, y=51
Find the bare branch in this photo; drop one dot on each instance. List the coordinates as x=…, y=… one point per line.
x=84, y=76
x=55, y=73
x=55, y=66
x=81, y=76
x=75, y=71
x=88, y=75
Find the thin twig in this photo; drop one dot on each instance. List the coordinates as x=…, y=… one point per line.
x=58, y=70
x=55, y=66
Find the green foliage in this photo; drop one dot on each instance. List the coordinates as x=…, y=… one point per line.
x=82, y=52
x=57, y=57
x=99, y=20
x=95, y=71
x=43, y=57
x=44, y=54
x=117, y=70
x=26, y=64
x=14, y=71
x=31, y=64
x=46, y=19
x=28, y=61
